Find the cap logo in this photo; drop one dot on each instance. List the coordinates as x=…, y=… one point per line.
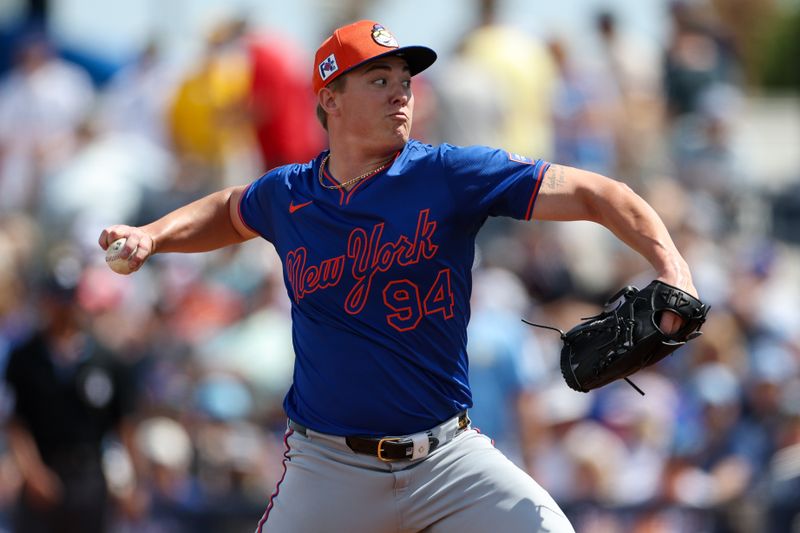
x=327, y=67
x=383, y=37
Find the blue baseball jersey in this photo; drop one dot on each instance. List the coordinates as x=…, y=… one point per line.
x=380, y=280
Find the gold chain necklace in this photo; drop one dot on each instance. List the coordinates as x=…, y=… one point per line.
x=350, y=181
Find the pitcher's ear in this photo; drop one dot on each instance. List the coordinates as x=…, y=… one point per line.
x=328, y=101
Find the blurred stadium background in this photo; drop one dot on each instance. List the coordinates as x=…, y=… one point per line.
x=116, y=112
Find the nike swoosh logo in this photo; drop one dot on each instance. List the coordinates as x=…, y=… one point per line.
x=294, y=207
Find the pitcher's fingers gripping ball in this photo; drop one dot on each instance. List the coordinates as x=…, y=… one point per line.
x=127, y=248
x=115, y=259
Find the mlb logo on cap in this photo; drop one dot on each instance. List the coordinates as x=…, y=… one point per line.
x=328, y=67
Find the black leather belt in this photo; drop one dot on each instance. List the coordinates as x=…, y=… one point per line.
x=389, y=448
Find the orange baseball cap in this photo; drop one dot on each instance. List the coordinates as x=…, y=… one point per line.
x=353, y=45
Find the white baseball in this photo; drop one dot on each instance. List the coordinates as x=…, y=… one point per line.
x=113, y=259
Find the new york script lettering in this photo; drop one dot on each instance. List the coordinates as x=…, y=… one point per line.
x=368, y=256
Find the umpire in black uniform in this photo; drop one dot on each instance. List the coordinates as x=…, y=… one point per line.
x=69, y=394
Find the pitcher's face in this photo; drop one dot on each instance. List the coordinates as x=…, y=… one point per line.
x=377, y=103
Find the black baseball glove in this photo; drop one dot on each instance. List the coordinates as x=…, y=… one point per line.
x=626, y=338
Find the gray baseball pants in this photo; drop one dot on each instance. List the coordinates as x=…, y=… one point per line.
x=464, y=486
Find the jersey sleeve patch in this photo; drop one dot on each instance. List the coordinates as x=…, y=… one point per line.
x=520, y=158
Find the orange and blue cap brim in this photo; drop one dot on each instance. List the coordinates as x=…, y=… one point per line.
x=354, y=45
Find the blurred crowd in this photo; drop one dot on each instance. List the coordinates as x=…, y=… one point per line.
x=196, y=349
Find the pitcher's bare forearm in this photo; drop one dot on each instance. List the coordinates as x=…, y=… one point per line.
x=206, y=224
x=203, y=225
x=573, y=194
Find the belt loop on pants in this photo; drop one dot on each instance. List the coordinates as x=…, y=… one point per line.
x=404, y=447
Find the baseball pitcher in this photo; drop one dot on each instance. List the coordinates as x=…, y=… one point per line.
x=377, y=238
